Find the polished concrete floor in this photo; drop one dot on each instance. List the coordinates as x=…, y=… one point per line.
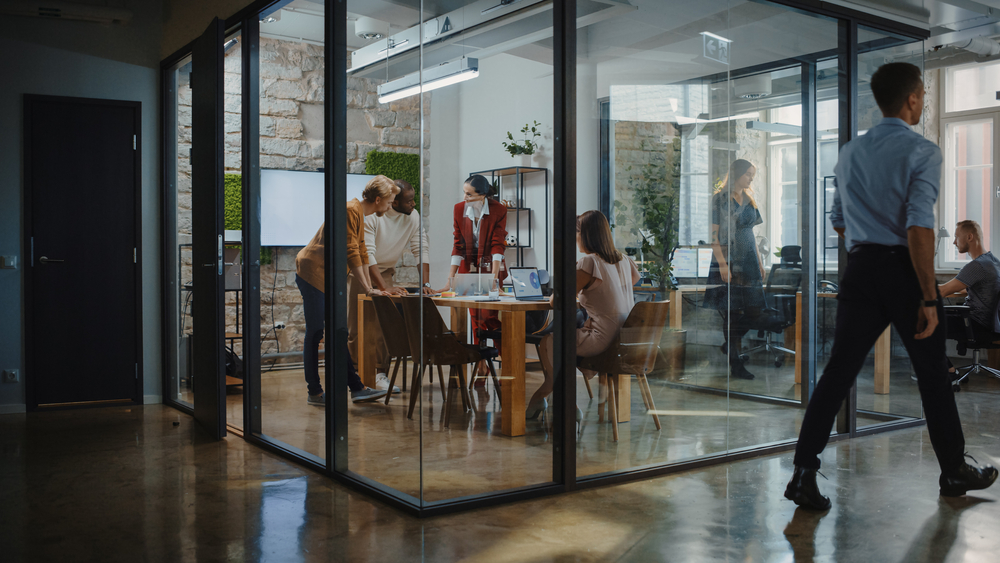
x=471, y=456
x=144, y=484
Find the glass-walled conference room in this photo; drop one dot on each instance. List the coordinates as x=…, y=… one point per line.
x=493, y=250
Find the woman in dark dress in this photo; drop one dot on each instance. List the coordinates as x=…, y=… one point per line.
x=736, y=268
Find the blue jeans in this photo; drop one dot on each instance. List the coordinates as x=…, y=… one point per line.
x=314, y=307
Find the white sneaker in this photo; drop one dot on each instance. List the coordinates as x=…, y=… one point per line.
x=382, y=384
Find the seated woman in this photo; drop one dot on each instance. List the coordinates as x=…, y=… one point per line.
x=604, y=280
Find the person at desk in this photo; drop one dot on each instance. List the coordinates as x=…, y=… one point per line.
x=480, y=233
x=387, y=238
x=736, y=270
x=887, y=183
x=604, y=281
x=310, y=276
x=980, y=278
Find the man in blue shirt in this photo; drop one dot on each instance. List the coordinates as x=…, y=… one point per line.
x=887, y=182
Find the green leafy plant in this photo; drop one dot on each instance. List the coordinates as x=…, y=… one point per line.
x=232, y=206
x=652, y=215
x=396, y=166
x=528, y=145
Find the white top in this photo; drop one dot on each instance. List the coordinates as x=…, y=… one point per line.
x=388, y=236
x=470, y=212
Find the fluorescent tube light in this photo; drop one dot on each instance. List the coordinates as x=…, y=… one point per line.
x=434, y=78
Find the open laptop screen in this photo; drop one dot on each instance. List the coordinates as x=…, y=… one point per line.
x=525, y=282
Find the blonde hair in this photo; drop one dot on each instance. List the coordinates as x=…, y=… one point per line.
x=970, y=226
x=379, y=186
x=737, y=169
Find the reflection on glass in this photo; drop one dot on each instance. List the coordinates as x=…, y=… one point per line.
x=704, y=191
x=968, y=179
x=181, y=387
x=291, y=139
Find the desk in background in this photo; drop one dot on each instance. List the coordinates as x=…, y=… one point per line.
x=794, y=334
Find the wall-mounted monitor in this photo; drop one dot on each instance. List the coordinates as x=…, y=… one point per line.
x=291, y=204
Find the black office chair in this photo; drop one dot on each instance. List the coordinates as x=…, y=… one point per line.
x=972, y=340
x=779, y=298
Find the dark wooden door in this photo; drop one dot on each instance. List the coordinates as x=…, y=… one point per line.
x=209, y=365
x=81, y=196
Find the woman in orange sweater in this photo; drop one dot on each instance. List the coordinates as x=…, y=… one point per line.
x=310, y=276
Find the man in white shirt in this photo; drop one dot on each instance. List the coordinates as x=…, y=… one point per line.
x=387, y=238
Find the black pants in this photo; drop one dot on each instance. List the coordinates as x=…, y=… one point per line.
x=314, y=310
x=881, y=287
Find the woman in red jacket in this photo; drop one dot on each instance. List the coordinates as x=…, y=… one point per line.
x=480, y=233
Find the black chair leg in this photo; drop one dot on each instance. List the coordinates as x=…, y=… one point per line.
x=496, y=381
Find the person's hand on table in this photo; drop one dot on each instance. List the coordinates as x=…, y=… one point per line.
x=396, y=291
x=428, y=291
x=374, y=291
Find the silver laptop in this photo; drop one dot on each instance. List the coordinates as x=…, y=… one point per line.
x=527, y=286
x=470, y=285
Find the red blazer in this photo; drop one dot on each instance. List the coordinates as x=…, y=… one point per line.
x=492, y=236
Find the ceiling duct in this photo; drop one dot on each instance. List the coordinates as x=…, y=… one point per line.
x=64, y=11
x=479, y=30
x=980, y=45
x=753, y=87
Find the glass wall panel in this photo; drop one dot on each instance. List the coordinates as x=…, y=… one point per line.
x=292, y=70
x=704, y=186
x=486, y=204
x=177, y=263
x=886, y=389
x=233, y=219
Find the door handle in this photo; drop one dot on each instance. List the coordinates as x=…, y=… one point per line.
x=46, y=260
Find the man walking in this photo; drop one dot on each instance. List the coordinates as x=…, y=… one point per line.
x=887, y=183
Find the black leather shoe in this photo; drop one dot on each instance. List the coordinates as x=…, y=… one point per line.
x=803, y=491
x=966, y=478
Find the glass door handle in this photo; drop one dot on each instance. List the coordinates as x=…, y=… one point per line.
x=47, y=260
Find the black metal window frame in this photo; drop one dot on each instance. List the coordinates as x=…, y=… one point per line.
x=564, y=477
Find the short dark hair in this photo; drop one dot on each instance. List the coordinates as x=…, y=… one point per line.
x=403, y=185
x=480, y=184
x=893, y=83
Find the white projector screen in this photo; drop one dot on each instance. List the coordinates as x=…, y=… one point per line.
x=291, y=205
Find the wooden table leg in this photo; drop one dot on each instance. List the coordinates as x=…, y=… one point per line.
x=882, y=352
x=675, y=308
x=623, y=397
x=367, y=336
x=798, y=338
x=512, y=373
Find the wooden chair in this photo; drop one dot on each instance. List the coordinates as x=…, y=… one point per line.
x=440, y=348
x=632, y=353
x=394, y=334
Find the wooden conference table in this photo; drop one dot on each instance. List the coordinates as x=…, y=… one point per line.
x=882, y=346
x=512, y=400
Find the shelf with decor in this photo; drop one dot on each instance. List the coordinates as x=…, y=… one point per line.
x=519, y=215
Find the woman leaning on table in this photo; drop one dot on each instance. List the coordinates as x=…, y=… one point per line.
x=736, y=269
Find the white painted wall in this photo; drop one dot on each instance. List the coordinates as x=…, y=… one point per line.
x=469, y=122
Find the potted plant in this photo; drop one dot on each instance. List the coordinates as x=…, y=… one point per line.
x=528, y=145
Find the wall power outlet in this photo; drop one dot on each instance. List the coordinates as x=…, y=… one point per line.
x=10, y=376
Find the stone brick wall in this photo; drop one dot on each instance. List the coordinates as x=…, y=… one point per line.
x=639, y=144
x=292, y=138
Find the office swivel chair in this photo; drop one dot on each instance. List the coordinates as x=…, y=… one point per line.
x=779, y=298
x=971, y=340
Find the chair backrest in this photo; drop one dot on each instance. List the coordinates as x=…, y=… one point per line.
x=640, y=336
x=784, y=279
x=393, y=326
x=440, y=347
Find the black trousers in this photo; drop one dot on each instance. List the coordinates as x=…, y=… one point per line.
x=880, y=287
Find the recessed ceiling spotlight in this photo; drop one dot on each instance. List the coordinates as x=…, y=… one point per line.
x=370, y=28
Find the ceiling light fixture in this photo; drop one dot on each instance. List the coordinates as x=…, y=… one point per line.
x=394, y=45
x=438, y=77
x=502, y=4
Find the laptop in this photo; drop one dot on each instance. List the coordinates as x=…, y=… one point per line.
x=468, y=285
x=526, y=284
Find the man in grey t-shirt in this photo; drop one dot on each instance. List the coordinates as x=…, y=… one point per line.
x=980, y=278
